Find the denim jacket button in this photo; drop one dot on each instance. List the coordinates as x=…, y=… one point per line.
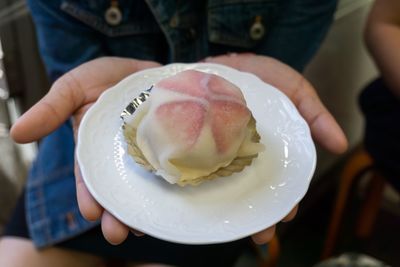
x=113, y=16
x=257, y=30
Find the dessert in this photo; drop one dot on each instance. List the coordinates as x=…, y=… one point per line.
x=194, y=126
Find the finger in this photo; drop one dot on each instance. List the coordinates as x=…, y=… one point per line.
x=324, y=128
x=88, y=206
x=78, y=87
x=223, y=59
x=49, y=113
x=328, y=133
x=77, y=118
x=291, y=214
x=113, y=230
x=231, y=60
x=264, y=236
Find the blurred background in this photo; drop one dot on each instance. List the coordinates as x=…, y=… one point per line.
x=339, y=71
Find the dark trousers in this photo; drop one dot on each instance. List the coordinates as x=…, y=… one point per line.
x=381, y=109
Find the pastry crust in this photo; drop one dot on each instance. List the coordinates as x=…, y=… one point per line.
x=236, y=165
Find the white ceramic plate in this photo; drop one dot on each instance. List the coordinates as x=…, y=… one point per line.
x=216, y=211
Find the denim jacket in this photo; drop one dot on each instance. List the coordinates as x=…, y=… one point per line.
x=71, y=32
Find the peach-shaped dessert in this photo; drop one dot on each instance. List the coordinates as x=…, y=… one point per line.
x=194, y=126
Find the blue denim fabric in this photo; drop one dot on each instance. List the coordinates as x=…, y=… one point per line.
x=71, y=32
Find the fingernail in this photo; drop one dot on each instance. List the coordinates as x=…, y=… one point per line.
x=137, y=233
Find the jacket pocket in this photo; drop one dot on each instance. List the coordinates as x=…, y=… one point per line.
x=240, y=23
x=93, y=15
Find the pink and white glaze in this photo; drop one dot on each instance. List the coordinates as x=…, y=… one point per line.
x=193, y=124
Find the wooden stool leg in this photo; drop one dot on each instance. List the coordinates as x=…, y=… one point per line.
x=273, y=253
x=357, y=164
x=370, y=206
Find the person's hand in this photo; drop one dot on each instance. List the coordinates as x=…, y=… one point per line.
x=72, y=95
x=324, y=128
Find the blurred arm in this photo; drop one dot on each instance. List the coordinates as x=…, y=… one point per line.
x=382, y=36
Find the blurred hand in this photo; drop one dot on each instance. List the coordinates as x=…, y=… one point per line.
x=72, y=95
x=324, y=128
